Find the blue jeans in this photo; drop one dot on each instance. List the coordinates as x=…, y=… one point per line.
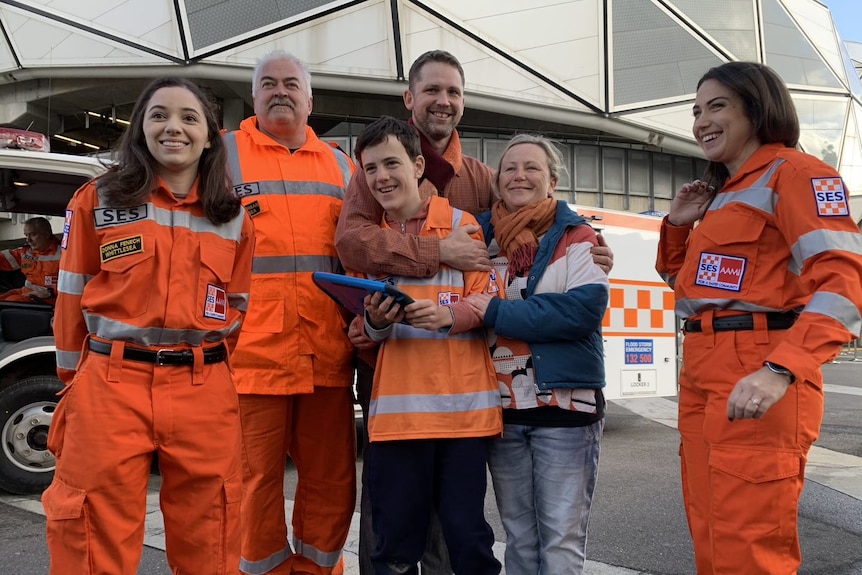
x=544, y=479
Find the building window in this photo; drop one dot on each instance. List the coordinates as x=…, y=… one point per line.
x=662, y=176
x=587, y=169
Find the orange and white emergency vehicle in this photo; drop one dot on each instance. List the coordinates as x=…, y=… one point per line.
x=640, y=330
x=32, y=182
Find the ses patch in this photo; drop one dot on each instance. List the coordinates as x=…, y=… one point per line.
x=831, y=197
x=106, y=217
x=720, y=271
x=215, y=305
x=67, y=227
x=120, y=248
x=249, y=189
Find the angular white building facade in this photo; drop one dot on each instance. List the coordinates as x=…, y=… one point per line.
x=616, y=74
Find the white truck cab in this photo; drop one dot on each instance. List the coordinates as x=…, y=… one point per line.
x=31, y=183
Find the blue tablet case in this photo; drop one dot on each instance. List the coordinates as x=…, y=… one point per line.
x=350, y=292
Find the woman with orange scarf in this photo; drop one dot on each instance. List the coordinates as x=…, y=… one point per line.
x=546, y=346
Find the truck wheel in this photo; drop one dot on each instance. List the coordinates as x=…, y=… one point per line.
x=26, y=410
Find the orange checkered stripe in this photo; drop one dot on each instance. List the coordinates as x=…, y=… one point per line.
x=639, y=308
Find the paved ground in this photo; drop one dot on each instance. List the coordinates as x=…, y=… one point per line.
x=638, y=525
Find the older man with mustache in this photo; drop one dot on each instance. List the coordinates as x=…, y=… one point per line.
x=293, y=363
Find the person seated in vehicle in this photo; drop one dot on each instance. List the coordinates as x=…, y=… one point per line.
x=39, y=261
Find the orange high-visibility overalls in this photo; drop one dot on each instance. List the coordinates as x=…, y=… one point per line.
x=40, y=269
x=135, y=282
x=777, y=238
x=294, y=362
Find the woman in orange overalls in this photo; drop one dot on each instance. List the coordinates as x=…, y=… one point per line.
x=153, y=286
x=768, y=283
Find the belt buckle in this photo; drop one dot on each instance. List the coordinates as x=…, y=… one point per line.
x=160, y=360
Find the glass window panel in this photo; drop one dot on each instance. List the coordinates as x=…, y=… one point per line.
x=565, y=182
x=639, y=180
x=587, y=168
x=493, y=151
x=613, y=170
x=662, y=175
x=822, y=127
x=472, y=147
x=790, y=53
x=682, y=171
x=653, y=57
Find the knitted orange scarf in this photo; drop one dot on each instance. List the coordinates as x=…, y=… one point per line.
x=518, y=233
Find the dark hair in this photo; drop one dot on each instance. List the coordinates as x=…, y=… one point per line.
x=41, y=225
x=441, y=56
x=767, y=104
x=377, y=132
x=132, y=179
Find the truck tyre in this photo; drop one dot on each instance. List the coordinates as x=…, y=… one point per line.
x=26, y=410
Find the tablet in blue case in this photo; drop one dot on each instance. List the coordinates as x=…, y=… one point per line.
x=350, y=292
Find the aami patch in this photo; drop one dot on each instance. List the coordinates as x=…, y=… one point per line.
x=123, y=247
x=215, y=306
x=720, y=271
x=253, y=208
x=831, y=197
x=447, y=298
x=67, y=227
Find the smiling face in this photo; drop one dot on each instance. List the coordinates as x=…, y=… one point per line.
x=721, y=126
x=175, y=130
x=282, y=101
x=436, y=101
x=524, y=177
x=393, y=178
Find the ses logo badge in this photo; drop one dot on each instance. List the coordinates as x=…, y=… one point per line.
x=719, y=271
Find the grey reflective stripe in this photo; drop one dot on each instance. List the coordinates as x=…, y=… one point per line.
x=343, y=165
x=458, y=403
x=402, y=331
x=233, y=165
x=265, y=565
x=107, y=328
x=11, y=259
x=316, y=555
x=295, y=264
x=68, y=359
x=686, y=308
x=838, y=308
x=72, y=283
x=55, y=257
x=30, y=285
x=238, y=301
x=231, y=230
x=820, y=241
x=757, y=195
x=299, y=188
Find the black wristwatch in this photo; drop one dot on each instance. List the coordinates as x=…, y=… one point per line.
x=780, y=369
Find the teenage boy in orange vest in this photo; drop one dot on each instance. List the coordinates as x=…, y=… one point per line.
x=434, y=403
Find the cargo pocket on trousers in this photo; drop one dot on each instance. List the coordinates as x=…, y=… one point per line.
x=68, y=525
x=755, y=488
x=230, y=524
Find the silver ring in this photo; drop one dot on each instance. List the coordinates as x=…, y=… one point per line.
x=756, y=401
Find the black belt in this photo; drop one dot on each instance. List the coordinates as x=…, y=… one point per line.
x=774, y=320
x=215, y=354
